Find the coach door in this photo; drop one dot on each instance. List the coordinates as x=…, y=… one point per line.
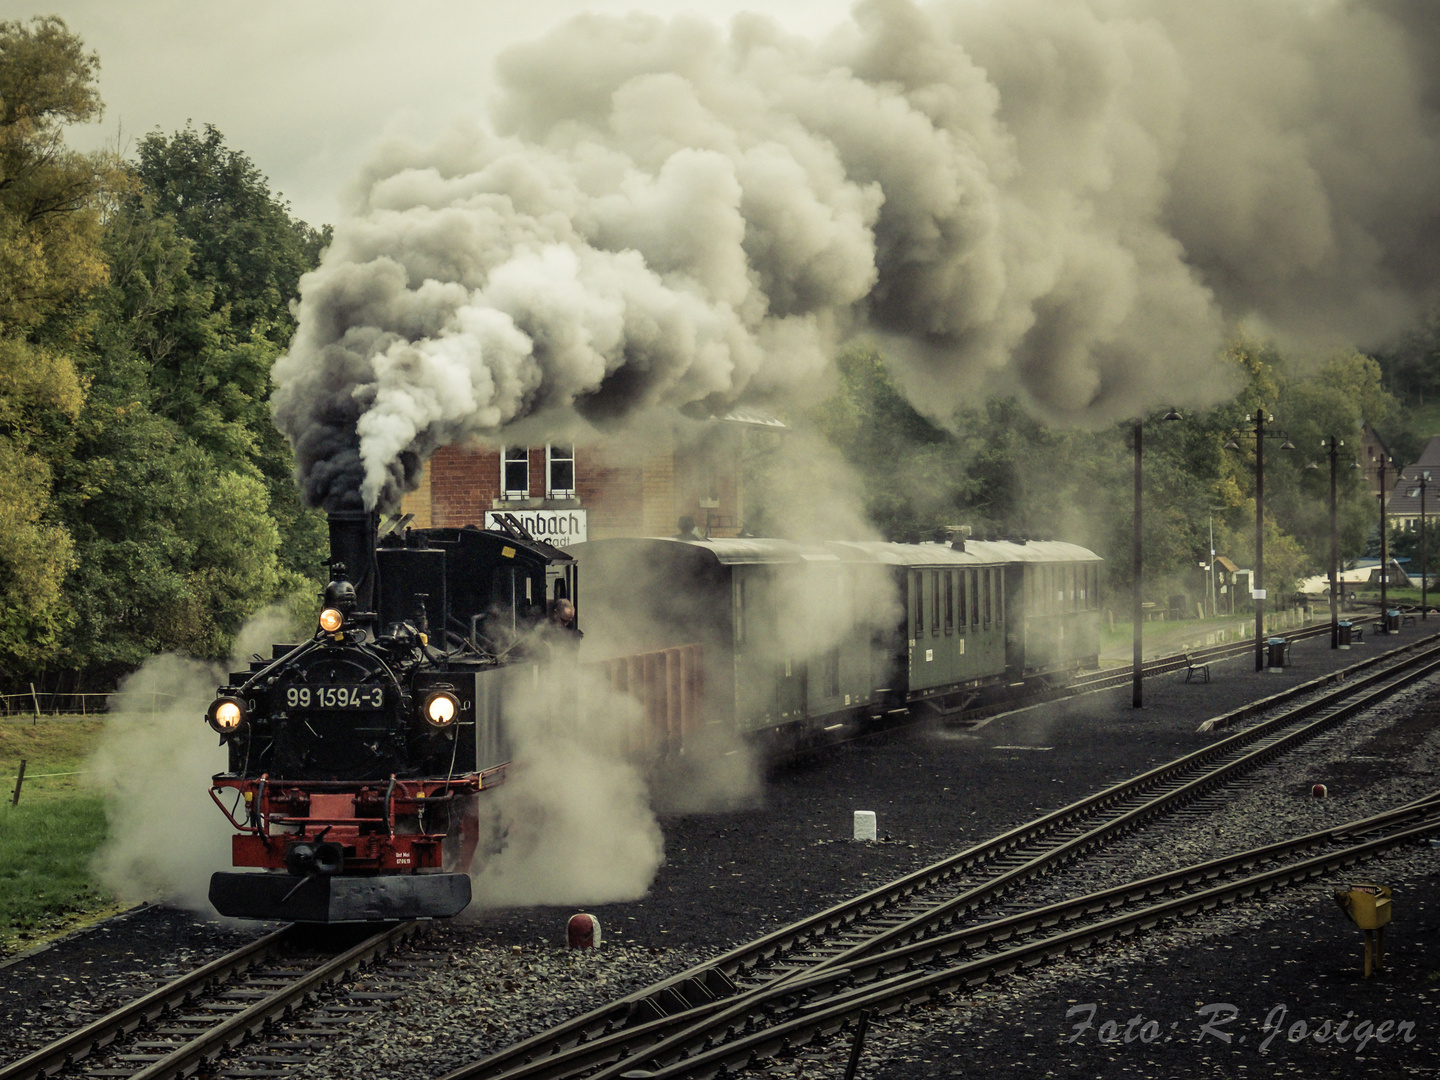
x=1011, y=613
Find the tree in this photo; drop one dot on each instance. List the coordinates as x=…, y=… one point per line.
x=50, y=259
x=251, y=253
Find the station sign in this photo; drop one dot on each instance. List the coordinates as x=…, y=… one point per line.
x=558, y=527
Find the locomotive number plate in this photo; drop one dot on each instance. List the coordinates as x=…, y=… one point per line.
x=338, y=696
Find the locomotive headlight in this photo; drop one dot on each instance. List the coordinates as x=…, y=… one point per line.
x=226, y=715
x=331, y=620
x=440, y=709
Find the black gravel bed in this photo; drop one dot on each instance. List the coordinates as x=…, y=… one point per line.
x=47, y=992
x=730, y=876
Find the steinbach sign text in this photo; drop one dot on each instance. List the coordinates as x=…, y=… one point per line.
x=558, y=527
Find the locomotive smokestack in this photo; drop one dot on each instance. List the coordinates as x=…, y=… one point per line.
x=352, y=542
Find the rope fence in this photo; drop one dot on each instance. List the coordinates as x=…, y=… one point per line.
x=38, y=703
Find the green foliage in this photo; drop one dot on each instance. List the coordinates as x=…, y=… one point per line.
x=50, y=259
x=243, y=239
x=913, y=472
x=145, y=495
x=998, y=470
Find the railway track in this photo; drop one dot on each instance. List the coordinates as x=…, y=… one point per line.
x=907, y=918
x=201, y=1015
x=1117, y=677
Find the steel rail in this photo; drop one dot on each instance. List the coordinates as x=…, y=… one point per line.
x=100, y=1033
x=228, y=1030
x=232, y=1031
x=660, y=1005
x=634, y=1047
x=898, y=991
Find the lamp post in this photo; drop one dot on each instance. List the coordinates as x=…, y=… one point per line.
x=1257, y=587
x=1385, y=459
x=1331, y=446
x=1137, y=692
x=1422, y=482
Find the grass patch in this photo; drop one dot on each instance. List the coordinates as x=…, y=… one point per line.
x=49, y=839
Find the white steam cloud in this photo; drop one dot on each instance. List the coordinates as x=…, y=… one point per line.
x=1065, y=199
x=575, y=809
x=154, y=763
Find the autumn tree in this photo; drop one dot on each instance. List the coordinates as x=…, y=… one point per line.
x=50, y=259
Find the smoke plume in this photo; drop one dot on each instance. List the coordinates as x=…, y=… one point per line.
x=1064, y=199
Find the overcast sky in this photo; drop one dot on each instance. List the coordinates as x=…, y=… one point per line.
x=304, y=87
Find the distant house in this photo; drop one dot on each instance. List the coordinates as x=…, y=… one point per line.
x=1366, y=572
x=1403, y=508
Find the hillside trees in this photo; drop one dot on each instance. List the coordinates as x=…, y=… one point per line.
x=186, y=515
x=146, y=499
x=50, y=258
x=999, y=471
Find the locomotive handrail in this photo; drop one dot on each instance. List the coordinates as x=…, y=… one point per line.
x=294, y=654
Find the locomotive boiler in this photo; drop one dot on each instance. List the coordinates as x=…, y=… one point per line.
x=357, y=758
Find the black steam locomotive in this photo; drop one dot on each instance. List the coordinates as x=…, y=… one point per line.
x=357, y=758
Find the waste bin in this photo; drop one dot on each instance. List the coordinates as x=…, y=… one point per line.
x=1345, y=627
x=1277, y=652
x=1392, y=621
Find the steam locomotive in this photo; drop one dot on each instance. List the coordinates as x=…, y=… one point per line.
x=357, y=758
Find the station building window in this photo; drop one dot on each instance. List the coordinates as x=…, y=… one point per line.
x=559, y=471
x=515, y=473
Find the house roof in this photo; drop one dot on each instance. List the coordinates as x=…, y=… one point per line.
x=1401, y=503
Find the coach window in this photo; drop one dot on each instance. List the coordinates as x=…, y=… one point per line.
x=935, y=576
x=919, y=590
x=974, y=576
x=985, y=597
x=949, y=600
x=560, y=471
x=515, y=473
x=961, y=616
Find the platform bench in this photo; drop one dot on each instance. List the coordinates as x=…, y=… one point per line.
x=1195, y=667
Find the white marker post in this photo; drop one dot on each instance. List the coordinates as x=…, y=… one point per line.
x=864, y=824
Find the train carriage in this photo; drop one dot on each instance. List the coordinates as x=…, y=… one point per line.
x=801, y=639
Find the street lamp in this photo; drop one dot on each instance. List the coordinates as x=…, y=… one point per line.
x=1257, y=587
x=1385, y=459
x=1137, y=693
x=1331, y=446
x=1422, y=482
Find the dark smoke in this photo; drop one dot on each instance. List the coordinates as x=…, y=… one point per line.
x=1068, y=200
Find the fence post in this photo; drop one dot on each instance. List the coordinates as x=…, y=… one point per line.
x=19, y=780
x=36, y=699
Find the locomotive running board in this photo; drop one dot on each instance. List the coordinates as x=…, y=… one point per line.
x=345, y=899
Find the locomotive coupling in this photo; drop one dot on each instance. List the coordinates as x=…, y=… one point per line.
x=308, y=857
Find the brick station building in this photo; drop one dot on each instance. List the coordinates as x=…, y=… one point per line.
x=568, y=494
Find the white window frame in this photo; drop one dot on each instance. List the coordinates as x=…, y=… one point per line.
x=505, y=460
x=551, y=458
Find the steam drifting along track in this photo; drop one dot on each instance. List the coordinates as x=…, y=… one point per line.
x=740, y=995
